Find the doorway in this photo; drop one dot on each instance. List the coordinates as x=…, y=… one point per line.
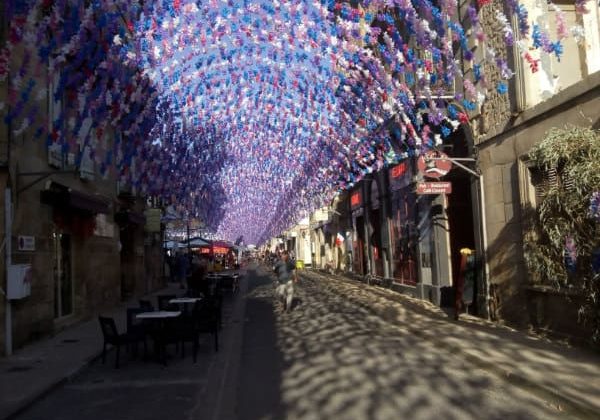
x=63, y=275
x=460, y=214
x=360, y=262
x=375, y=220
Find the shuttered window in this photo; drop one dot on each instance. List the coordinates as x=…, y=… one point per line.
x=543, y=179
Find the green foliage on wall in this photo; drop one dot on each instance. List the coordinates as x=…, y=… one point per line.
x=562, y=225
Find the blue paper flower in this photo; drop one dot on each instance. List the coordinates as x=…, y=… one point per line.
x=502, y=88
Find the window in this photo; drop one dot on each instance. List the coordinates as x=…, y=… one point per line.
x=571, y=67
x=578, y=60
x=541, y=181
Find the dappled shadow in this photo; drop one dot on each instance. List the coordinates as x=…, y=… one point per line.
x=340, y=360
x=501, y=349
x=261, y=360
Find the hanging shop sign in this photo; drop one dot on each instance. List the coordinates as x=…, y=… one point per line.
x=220, y=250
x=356, y=199
x=434, y=188
x=400, y=176
x=153, y=217
x=86, y=166
x=321, y=215
x=434, y=164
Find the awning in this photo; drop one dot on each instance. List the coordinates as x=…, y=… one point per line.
x=128, y=217
x=63, y=197
x=197, y=243
x=172, y=245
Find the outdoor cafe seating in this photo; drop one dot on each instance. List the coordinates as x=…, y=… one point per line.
x=178, y=321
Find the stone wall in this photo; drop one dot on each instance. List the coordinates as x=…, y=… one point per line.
x=500, y=157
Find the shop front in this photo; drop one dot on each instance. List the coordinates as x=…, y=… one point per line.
x=403, y=232
x=360, y=263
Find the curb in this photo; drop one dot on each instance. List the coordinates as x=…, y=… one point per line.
x=568, y=406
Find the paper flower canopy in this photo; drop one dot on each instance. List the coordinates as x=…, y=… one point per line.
x=248, y=114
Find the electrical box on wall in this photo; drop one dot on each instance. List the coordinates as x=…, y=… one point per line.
x=19, y=281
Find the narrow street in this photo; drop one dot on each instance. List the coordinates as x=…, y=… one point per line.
x=330, y=358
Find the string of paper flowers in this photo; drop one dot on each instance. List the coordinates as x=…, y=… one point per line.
x=251, y=113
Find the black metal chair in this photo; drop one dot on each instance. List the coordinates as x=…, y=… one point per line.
x=187, y=331
x=163, y=336
x=207, y=317
x=146, y=305
x=112, y=336
x=163, y=303
x=136, y=329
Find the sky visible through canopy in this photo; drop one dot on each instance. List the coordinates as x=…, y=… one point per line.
x=248, y=114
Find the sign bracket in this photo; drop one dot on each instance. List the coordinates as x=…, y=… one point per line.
x=457, y=161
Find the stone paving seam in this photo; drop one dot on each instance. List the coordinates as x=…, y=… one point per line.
x=567, y=404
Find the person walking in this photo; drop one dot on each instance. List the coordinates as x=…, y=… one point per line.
x=286, y=277
x=182, y=269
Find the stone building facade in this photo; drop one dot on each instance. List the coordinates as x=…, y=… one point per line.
x=504, y=131
x=415, y=241
x=81, y=232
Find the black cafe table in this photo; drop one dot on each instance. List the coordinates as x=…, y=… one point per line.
x=158, y=315
x=185, y=302
x=159, y=329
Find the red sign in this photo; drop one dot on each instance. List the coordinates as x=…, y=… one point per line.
x=220, y=250
x=434, y=188
x=434, y=164
x=205, y=250
x=355, y=199
x=398, y=170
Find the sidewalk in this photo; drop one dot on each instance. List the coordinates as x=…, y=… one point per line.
x=565, y=376
x=39, y=367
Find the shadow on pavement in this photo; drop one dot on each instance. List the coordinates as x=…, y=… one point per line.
x=332, y=358
x=508, y=351
x=262, y=361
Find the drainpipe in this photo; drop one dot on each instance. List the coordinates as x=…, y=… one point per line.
x=484, y=239
x=8, y=348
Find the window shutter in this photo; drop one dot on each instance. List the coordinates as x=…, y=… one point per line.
x=543, y=180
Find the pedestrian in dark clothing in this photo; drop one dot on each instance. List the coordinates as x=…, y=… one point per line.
x=286, y=277
x=182, y=268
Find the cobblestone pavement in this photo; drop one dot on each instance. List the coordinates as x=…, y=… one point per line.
x=332, y=358
x=346, y=351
